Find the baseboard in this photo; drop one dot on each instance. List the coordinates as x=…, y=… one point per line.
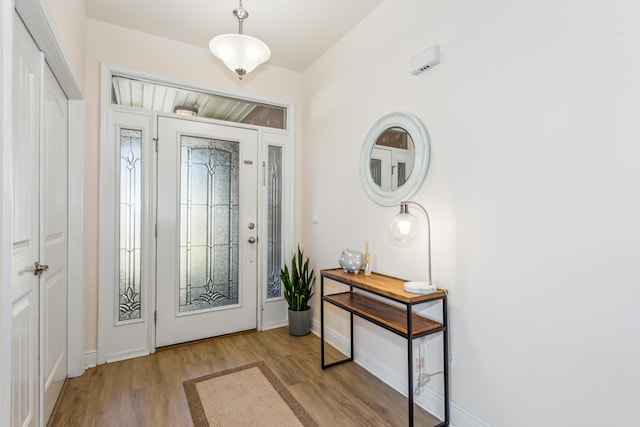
x=130, y=354
x=428, y=399
x=274, y=325
x=91, y=358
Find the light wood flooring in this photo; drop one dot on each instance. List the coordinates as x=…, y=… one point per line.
x=148, y=391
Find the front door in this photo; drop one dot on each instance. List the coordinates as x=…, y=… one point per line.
x=206, y=230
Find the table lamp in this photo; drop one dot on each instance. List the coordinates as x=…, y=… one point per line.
x=404, y=227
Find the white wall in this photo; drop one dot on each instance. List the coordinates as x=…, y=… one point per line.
x=120, y=46
x=532, y=191
x=69, y=19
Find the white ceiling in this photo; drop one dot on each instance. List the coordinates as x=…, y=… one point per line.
x=297, y=31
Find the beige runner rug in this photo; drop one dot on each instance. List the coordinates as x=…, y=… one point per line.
x=250, y=395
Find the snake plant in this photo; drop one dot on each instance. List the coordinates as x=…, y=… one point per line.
x=298, y=282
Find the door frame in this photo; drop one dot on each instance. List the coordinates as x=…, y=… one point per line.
x=266, y=136
x=6, y=137
x=38, y=22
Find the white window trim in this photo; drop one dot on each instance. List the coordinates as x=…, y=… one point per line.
x=275, y=314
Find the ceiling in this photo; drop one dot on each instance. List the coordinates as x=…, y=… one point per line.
x=297, y=31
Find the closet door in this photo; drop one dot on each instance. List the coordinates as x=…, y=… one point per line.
x=53, y=247
x=39, y=265
x=25, y=170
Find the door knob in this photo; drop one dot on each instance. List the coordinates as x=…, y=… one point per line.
x=38, y=268
x=252, y=239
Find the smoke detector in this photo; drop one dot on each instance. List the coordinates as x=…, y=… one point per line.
x=425, y=59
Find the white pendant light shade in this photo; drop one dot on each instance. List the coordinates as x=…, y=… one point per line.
x=239, y=52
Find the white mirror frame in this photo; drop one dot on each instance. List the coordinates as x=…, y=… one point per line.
x=420, y=137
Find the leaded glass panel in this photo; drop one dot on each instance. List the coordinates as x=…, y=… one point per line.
x=130, y=224
x=274, y=222
x=209, y=229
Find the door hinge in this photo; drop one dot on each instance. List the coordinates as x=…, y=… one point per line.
x=156, y=230
x=156, y=140
x=155, y=317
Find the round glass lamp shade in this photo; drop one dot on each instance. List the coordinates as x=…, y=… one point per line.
x=239, y=52
x=404, y=227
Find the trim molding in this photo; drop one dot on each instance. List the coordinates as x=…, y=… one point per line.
x=130, y=354
x=428, y=399
x=6, y=210
x=75, y=232
x=91, y=359
x=36, y=18
x=274, y=325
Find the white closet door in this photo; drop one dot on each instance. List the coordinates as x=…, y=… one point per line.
x=39, y=263
x=25, y=166
x=53, y=212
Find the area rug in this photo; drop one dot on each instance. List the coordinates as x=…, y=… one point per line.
x=249, y=395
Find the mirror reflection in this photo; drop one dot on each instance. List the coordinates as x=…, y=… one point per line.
x=392, y=159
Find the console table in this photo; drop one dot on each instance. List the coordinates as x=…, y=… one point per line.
x=397, y=319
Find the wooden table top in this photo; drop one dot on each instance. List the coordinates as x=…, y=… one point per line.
x=380, y=284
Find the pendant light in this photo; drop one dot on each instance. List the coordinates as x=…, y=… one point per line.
x=239, y=52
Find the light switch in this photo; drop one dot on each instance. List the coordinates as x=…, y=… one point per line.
x=315, y=217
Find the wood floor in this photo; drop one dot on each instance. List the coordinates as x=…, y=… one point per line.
x=148, y=391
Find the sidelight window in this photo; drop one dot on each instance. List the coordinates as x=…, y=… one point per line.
x=130, y=224
x=274, y=215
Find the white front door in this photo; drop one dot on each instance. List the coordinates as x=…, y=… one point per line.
x=207, y=230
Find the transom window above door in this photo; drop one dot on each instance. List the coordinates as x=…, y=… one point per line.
x=137, y=93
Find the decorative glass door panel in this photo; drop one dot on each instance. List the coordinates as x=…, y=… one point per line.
x=274, y=255
x=130, y=224
x=208, y=223
x=207, y=228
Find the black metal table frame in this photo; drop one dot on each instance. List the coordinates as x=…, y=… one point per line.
x=409, y=337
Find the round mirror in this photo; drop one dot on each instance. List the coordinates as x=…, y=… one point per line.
x=394, y=158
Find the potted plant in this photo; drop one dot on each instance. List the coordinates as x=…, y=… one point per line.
x=298, y=290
